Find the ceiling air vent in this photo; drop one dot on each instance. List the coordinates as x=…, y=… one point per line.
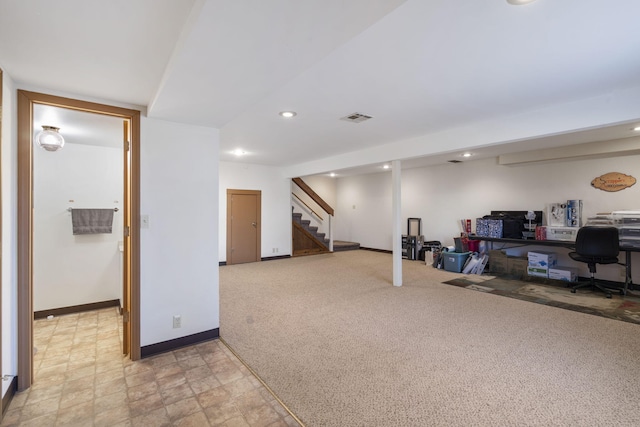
x=356, y=117
x=454, y=161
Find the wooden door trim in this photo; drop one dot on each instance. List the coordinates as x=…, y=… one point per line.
x=1, y=236
x=258, y=194
x=125, y=304
x=26, y=101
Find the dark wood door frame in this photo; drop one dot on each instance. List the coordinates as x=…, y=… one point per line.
x=26, y=101
x=258, y=194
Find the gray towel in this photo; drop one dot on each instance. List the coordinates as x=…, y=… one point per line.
x=92, y=221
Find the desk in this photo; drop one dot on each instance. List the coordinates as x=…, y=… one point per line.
x=628, y=282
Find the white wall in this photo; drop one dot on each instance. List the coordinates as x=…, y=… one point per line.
x=276, y=205
x=442, y=195
x=179, y=250
x=72, y=270
x=179, y=259
x=363, y=210
x=324, y=186
x=8, y=170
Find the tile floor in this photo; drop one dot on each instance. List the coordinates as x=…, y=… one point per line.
x=81, y=379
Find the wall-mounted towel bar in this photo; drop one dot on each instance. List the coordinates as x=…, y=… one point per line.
x=114, y=209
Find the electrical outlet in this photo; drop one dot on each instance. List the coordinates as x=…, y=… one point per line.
x=177, y=321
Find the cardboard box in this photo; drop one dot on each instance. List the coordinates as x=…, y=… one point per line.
x=567, y=274
x=489, y=227
x=517, y=266
x=537, y=271
x=542, y=259
x=495, y=253
x=498, y=265
x=557, y=214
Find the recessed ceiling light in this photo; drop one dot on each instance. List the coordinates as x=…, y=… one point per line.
x=386, y=167
x=332, y=174
x=637, y=128
x=287, y=114
x=467, y=155
x=239, y=152
x=519, y=2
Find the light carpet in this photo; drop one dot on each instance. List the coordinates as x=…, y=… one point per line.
x=342, y=347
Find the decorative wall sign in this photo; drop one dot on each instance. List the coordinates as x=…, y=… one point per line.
x=613, y=181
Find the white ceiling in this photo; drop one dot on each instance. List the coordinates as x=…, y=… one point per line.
x=419, y=67
x=80, y=127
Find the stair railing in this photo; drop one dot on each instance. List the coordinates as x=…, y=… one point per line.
x=307, y=206
x=324, y=226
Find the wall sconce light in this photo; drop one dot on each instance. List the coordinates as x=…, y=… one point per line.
x=50, y=139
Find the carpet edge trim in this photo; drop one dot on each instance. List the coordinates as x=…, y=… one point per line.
x=255, y=374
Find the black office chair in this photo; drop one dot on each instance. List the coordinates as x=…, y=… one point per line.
x=596, y=245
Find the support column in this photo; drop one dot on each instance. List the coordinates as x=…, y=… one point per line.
x=330, y=233
x=396, y=205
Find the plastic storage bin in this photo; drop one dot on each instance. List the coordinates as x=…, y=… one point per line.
x=454, y=261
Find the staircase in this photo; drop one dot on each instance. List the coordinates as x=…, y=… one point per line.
x=306, y=239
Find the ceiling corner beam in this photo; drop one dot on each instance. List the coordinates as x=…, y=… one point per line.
x=598, y=149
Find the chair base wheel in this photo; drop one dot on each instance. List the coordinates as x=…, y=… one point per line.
x=573, y=291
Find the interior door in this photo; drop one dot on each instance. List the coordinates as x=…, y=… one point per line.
x=126, y=243
x=243, y=226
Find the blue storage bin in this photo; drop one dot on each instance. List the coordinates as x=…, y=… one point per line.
x=454, y=261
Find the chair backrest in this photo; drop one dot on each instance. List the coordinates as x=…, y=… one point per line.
x=598, y=241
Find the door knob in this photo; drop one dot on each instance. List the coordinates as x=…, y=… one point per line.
x=254, y=224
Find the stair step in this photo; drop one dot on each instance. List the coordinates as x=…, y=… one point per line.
x=339, y=246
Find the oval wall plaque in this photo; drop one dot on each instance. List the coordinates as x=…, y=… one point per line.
x=613, y=181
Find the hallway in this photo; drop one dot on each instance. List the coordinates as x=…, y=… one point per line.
x=81, y=379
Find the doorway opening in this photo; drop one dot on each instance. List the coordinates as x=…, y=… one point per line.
x=130, y=246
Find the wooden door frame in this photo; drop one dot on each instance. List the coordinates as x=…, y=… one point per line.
x=258, y=193
x=26, y=101
x=1, y=237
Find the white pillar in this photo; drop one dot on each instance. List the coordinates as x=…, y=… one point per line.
x=330, y=233
x=396, y=205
